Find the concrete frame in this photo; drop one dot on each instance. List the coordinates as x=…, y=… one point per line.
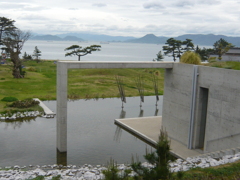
x=62, y=79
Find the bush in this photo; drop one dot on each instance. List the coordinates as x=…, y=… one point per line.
x=9, y=99
x=159, y=161
x=190, y=57
x=24, y=103
x=32, y=69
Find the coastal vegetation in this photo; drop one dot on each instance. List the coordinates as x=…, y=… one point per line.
x=40, y=82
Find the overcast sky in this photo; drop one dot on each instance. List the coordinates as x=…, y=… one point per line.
x=125, y=17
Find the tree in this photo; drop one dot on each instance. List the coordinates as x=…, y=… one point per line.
x=14, y=42
x=175, y=47
x=26, y=56
x=37, y=54
x=188, y=45
x=159, y=161
x=221, y=46
x=204, y=52
x=6, y=26
x=77, y=50
x=159, y=56
x=171, y=48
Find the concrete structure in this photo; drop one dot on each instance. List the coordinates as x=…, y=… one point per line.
x=48, y=112
x=62, y=76
x=233, y=54
x=201, y=107
x=200, y=104
x=148, y=130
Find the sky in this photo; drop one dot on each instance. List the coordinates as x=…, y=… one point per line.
x=136, y=18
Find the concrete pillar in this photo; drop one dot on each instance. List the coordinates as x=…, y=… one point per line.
x=62, y=70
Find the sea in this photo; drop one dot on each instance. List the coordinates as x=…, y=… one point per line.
x=110, y=51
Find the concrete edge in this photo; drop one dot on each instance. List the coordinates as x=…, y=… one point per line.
x=47, y=111
x=142, y=136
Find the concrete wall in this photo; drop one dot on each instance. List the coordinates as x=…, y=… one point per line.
x=222, y=129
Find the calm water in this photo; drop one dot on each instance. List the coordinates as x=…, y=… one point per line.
x=54, y=50
x=93, y=138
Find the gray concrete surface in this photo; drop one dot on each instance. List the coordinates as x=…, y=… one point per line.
x=62, y=76
x=220, y=128
x=148, y=129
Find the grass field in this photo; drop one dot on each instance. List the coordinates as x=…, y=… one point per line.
x=40, y=82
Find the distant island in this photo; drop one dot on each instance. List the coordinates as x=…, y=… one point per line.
x=197, y=39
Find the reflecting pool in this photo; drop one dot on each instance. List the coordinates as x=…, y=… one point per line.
x=93, y=138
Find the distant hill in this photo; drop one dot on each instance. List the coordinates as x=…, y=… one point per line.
x=72, y=38
x=98, y=37
x=46, y=38
x=149, y=38
x=55, y=38
x=82, y=37
x=198, y=39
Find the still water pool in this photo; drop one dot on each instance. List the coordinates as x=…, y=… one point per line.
x=93, y=138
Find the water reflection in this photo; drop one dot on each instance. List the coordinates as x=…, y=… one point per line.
x=92, y=136
x=17, y=123
x=122, y=114
x=118, y=133
x=141, y=113
x=61, y=158
x=156, y=112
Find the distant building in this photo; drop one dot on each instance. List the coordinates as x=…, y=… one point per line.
x=233, y=54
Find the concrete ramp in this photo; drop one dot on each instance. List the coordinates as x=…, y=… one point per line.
x=148, y=130
x=49, y=113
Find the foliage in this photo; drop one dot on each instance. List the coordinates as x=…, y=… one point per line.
x=204, y=53
x=14, y=42
x=175, y=47
x=24, y=103
x=188, y=45
x=190, y=58
x=9, y=99
x=77, y=50
x=221, y=46
x=82, y=83
x=212, y=59
x=159, y=161
x=113, y=173
x=6, y=26
x=37, y=54
x=26, y=56
x=159, y=56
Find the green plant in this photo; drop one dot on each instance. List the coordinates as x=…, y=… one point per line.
x=212, y=59
x=112, y=172
x=190, y=57
x=9, y=99
x=159, y=161
x=24, y=103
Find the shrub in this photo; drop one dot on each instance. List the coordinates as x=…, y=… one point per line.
x=9, y=99
x=212, y=59
x=32, y=69
x=24, y=103
x=113, y=173
x=190, y=57
x=159, y=161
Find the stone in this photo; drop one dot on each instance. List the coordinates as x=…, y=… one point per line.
x=89, y=176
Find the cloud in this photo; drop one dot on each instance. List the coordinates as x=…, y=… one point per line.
x=99, y=5
x=73, y=9
x=153, y=5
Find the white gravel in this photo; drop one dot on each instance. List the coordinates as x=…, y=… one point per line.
x=89, y=172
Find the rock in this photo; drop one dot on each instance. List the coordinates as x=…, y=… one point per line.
x=89, y=176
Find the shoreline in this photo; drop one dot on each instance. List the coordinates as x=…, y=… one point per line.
x=90, y=172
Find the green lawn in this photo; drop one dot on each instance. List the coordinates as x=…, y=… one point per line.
x=40, y=82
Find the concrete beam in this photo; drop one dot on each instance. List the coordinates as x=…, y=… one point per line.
x=62, y=76
x=115, y=65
